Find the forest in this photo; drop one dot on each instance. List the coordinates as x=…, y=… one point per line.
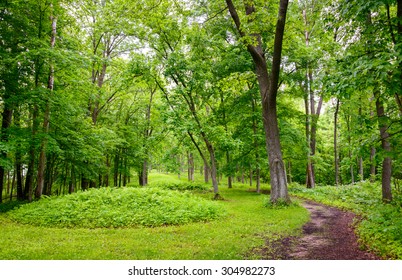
x=196, y=122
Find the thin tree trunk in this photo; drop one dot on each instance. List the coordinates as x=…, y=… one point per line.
x=6, y=122
x=18, y=159
x=190, y=171
x=106, y=175
x=229, y=175
x=361, y=169
x=143, y=178
x=336, y=156
x=206, y=172
x=289, y=172
x=372, y=165
x=116, y=169
x=50, y=86
x=125, y=175
x=12, y=186
x=8, y=182
x=214, y=175
x=71, y=182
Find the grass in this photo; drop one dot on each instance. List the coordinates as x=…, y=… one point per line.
x=380, y=227
x=246, y=224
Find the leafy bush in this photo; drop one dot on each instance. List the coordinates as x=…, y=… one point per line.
x=117, y=207
x=381, y=224
x=382, y=230
x=181, y=186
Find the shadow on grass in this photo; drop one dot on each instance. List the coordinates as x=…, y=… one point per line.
x=8, y=206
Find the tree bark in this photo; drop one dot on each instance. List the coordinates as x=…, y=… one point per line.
x=206, y=172
x=386, y=146
x=190, y=167
x=143, y=174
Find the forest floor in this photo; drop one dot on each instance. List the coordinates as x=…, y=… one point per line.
x=329, y=235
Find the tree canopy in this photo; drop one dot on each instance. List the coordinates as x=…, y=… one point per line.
x=94, y=93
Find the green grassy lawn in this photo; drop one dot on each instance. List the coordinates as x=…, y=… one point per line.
x=245, y=225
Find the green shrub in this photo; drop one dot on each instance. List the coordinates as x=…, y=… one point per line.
x=181, y=186
x=117, y=207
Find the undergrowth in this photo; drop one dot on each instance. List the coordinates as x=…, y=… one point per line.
x=380, y=227
x=117, y=207
x=182, y=186
x=246, y=225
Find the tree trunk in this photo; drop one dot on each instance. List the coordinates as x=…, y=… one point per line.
x=42, y=155
x=206, y=172
x=5, y=124
x=143, y=174
x=268, y=85
x=279, y=190
x=213, y=168
x=351, y=170
x=372, y=165
x=361, y=169
x=71, y=182
x=116, y=169
x=230, y=173
x=289, y=173
x=84, y=183
x=190, y=171
x=12, y=184
x=18, y=160
x=336, y=156
x=386, y=146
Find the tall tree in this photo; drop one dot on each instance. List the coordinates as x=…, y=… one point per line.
x=46, y=121
x=268, y=84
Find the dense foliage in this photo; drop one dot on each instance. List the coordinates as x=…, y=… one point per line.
x=117, y=207
x=98, y=93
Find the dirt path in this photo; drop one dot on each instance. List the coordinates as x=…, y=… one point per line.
x=328, y=236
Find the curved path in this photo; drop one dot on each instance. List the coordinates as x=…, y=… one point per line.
x=328, y=236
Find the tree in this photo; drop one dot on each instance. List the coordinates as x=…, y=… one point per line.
x=46, y=122
x=268, y=84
